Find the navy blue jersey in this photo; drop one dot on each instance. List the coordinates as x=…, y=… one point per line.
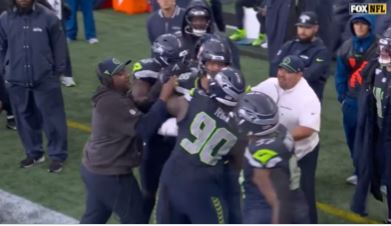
x=205, y=135
x=274, y=152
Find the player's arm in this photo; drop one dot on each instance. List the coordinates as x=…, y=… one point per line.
x=261, y=178
x=150, y=122
x=237, y=153
x=177, y=106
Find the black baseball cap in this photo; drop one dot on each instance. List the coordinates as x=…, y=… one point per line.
x=292, y=64
x=307, y=19
x=111, y=66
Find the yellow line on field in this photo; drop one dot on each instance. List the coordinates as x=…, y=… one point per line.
x=336, y=212
x=345, y=215
x=76, y=125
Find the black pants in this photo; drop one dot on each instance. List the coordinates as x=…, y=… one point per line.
x=217, y=10
x=37, y=109
x=4, y=98
x=107, y=194
x=307, y=181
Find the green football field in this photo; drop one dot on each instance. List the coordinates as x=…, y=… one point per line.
x=125, y=37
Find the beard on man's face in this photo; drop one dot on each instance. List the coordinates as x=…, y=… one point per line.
x=24, y=6
x=305, y=38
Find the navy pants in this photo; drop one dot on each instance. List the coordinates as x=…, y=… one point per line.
x=233, y=195
x=41, y=107
x=259, y=211
x=349, y=111
x=112, y=193
x=307, y=181
x=155, y=156
x=189, y=194
x=86, y=7
x=4, y=98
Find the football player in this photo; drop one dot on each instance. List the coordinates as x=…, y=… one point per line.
x=272, y=177
x=197, y=22
x=192, y=183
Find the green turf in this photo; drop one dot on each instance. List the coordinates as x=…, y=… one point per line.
x=124, y=37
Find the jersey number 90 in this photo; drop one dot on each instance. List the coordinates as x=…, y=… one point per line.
x=210, y=143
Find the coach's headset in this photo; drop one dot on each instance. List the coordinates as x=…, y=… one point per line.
x=109, y=68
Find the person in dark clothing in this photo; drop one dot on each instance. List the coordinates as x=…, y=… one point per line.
x=10, y=124
x=196, y=23
x=311, y=50
x=353, y=57
x=217, y=12
x=280, y=18
x=111, y=161
x=371, y=153
x=167, y=19
x=271, y=173
x=33, y=63
x=63, y=13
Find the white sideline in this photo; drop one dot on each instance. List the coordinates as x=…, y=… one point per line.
x=17, y=210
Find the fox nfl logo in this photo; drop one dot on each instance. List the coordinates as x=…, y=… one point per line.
x=368, y=8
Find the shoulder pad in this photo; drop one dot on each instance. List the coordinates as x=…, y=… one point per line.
x=263, y=158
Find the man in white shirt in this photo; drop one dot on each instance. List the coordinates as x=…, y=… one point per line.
x=300, y=111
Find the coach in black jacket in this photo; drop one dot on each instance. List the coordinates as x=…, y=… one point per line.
x=32, y=52
x=310, y=49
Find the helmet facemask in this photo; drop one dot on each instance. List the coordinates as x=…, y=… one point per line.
x=384, y=49
x=198, y=21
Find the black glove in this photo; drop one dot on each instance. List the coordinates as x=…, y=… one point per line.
x=171, y=70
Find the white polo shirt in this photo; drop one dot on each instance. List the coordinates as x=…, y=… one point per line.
x=298, y=106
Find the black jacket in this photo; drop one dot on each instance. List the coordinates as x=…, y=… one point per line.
x=32, y=46
x=369, y=138
x=316, y=57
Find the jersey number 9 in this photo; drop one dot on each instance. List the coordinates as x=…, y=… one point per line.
x=210, y=143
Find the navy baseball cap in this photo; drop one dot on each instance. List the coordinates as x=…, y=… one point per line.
x=307, y=19
x=111, y=66
x=292, y=64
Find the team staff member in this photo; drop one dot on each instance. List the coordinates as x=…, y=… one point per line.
x=113, y=150
x=32, y=53
x=168, y=19
x=353, y=57
x=300, y=110
x=311, y=49
x=372, y=156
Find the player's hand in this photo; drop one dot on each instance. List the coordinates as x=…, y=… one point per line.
x=168, y=88
x=171, y=70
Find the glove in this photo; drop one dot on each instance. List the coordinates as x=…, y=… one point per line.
x=171, y=70
x=169, y=128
